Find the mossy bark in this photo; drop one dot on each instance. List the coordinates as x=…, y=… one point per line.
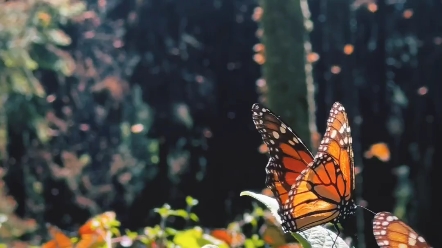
x=284, y=68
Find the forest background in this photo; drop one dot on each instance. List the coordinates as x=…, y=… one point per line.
x=124, y=105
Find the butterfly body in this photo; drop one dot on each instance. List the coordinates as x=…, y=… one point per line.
x=310, y=190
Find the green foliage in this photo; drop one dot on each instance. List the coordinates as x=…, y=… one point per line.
x=10, y=225
x=104, y=231
x=195, y=236
x=30, y=36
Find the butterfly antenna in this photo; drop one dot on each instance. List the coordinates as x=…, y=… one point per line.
x=366, y=209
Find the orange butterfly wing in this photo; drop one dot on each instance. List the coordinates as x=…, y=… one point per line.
x=337, y=142
x=60, y=240
x=316, y=197
x=288, y=155
x=323, y=192
x=389, y=231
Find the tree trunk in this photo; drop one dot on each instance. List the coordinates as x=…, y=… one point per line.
x=285, y=69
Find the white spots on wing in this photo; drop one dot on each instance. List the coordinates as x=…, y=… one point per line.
x=380, y=243
x=421, y=239
x=321, y=148
x=275, y=135
x=272, y=142
x=282, y=129
x=412, y=239
x=333, y=133
x=343, y=128
x=390, y=218
x=258, y=122
x=291, y=142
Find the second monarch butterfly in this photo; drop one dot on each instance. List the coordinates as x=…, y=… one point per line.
x=389, y=231
x=310, y=191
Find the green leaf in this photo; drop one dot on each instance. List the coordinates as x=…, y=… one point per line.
x=188, y=238
x=58, y=37
x=195, y=238
x=180, y=213
x=164, y=211
x=194, y=217
x=191, y=202
x=53, y=58
x=257, y=210
x=42, y=130
x=115, y=223
x=131, y=235
x=154, y=146
x=170, y=231
x=254, y=222
x=115, y=231
x=19, y=82
x=72, y=9
x=18, y=57
x=38, y=89
x=85, y=159
x=28, y=61
x=8, y=60
x=254, y=241
x=152, y=232
x=144, y=240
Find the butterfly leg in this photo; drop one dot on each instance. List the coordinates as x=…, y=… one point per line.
x=338, y=231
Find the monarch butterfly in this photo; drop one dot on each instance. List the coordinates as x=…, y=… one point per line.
x=389, y=231
x=310, y=191
x=379, y=150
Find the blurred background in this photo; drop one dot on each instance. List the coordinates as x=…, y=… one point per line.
x=124, y=105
